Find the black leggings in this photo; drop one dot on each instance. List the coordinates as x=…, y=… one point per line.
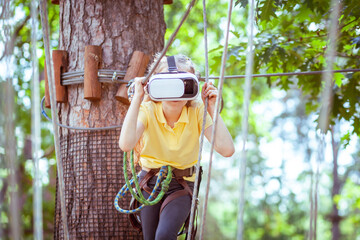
x=167, y=224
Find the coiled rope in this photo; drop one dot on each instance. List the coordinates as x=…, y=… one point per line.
x=138, y=194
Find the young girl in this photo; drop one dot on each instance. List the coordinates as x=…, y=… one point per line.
x=169, y=133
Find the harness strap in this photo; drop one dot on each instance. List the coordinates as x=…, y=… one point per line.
x=173, y=196
x=171, y=63
x=144, y=182
x=134, y=218
x=188, y=172
x=180, y=193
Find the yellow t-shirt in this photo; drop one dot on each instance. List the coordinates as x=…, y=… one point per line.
x=163, y=145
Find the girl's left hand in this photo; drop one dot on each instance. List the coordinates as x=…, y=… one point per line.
x=209, y=90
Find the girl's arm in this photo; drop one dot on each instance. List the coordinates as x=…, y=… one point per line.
x=223, y=141
x=132, y=129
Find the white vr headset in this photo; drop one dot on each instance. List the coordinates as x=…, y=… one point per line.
x=173, y=85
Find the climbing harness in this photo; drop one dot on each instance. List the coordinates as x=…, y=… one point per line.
x=139, y=202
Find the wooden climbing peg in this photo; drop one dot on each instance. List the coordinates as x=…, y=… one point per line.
x=136, y=68
x=57, y=2
x=92, y=62
x=168, y=1
x=60, y=60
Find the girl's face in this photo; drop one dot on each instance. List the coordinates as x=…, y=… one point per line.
x=173, y=104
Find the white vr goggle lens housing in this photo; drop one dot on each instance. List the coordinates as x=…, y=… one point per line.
x=173, y=86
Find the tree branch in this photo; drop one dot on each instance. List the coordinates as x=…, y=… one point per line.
x=9, y=46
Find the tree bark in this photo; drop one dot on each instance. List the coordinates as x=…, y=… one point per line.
x=92, y=159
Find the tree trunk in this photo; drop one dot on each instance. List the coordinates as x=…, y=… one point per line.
x=92, y=160
x=335, y=217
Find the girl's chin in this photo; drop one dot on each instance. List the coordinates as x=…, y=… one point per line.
x=176, y=102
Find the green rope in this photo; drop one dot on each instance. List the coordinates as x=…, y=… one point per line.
x=138, y=195
x=125, y=189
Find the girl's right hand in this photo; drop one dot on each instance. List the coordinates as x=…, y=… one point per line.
x=139, y=87
x=136, y=89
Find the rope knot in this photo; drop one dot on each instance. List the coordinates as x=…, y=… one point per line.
x=164, y=186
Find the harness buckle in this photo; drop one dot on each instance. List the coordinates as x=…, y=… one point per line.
x=192, y=170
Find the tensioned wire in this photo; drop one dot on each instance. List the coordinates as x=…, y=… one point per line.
x=75, y=128
x=216, y=116
x=197, y=176
x=51, y=81
x=35, y=127
x=115, y=76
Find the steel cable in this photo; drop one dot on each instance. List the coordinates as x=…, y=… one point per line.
x=35, y=127
x=194, y=200
x=216, y=115
x=326, y=101
x=50, y=75
x=107, y=76
x=245, y=119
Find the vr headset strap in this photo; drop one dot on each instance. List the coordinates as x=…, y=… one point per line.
x=171, y=64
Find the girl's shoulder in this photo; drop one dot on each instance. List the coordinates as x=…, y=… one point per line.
x=149, y=105
x=197, y=105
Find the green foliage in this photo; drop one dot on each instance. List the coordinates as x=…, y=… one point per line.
x=350, y=197
x=292, y=36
